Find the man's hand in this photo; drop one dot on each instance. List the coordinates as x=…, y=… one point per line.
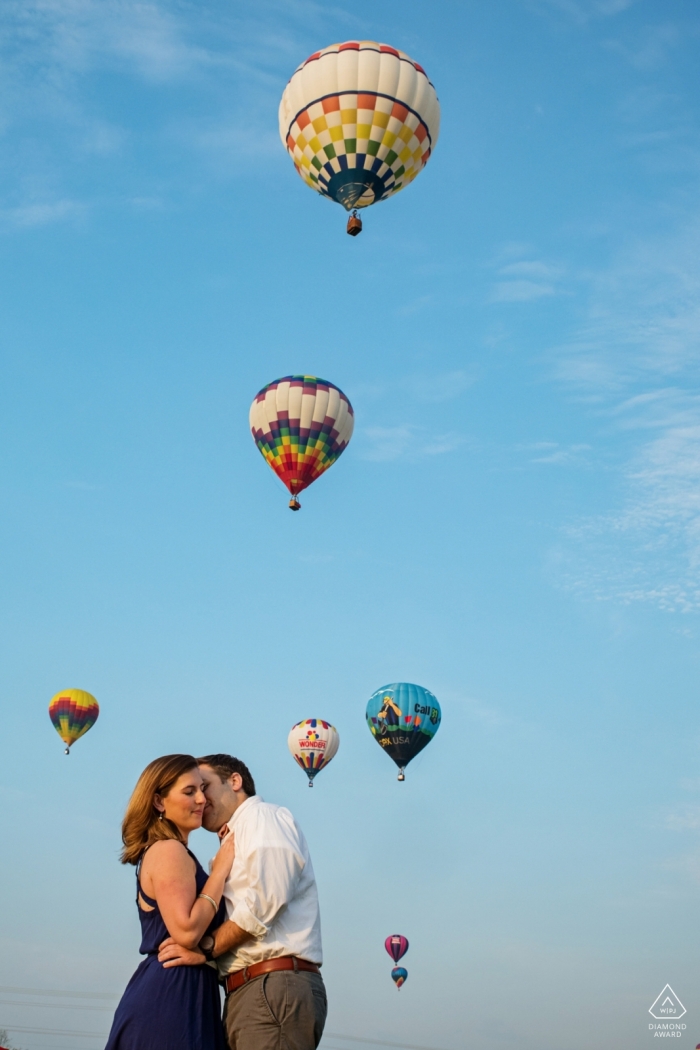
x=172, y=954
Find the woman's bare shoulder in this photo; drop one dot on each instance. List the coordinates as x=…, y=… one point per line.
x=167, y=853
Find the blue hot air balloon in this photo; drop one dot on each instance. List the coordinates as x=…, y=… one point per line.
x=403, y=719
x=399, y=975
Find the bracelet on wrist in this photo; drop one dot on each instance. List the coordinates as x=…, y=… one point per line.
x=206, y=897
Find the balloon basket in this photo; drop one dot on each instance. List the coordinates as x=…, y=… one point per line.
x=294, y=504
x=401, y=777
x=354, y=224
x=67, y=751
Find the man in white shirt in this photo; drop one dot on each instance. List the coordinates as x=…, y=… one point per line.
x=269, y=951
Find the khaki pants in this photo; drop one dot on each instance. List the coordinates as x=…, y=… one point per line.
x=282, y=1010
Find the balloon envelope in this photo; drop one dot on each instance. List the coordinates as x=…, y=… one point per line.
x=301, y=424
x=360, y=121
x=399, y=975
x=73, y=712
x=403, y=718
x=313, y=743
x=397, y=946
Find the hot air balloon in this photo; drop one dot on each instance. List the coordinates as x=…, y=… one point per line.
x=399, y=975
x=403, y=718
x=397, y=946
x=360, y=121
x=313, y=743
x=301, y=425
x=73, y=712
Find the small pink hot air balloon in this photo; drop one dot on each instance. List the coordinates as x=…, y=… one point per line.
x=397, y=946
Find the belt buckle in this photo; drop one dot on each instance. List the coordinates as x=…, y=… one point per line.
x=246, y=976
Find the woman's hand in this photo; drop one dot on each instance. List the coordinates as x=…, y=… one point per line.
x=172, y=954
x=223, y=861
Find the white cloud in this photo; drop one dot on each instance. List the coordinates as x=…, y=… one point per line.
x=384, y=444
x=437, y=386
x=388, y=443
x=530, y=268
x=643, y=317
x=419, y=303
x=75, y=36
x=429, y=387
x=688, y=820
x=651, y=48
x=40, y=214
x=230, y=145
x=441, y=443
x=583, y=11
x=649, y=548
x=552, y=453
x=520, y=291
x=524, y=280
x=54, y=112
x=636, y=360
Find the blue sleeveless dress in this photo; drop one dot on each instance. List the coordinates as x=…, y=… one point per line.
x=174, y=1009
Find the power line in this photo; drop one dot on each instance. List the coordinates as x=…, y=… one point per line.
x=54, y=1006
x=53, y=1031
x=54, y=993
x=103, y=1035
x=65, y=995
x=378, y=1042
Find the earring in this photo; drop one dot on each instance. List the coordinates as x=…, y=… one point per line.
x=160, y=815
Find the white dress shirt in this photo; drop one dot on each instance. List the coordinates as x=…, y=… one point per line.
x=271, y=891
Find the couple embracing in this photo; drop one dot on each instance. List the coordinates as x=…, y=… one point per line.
x=252, y=924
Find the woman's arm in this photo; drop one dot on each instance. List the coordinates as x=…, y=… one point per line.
x=169, y=877
x=226, y=937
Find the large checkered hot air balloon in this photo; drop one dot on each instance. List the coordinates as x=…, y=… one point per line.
x=73, y=712
x=360, y=121
x=301, y=425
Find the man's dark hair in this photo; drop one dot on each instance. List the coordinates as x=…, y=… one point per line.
x=225, y=766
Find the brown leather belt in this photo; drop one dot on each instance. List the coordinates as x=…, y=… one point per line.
x=286, y=962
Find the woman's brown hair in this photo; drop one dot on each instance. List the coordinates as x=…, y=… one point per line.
x=142, y=825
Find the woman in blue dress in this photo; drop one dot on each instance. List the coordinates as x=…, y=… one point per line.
x=171, y=1007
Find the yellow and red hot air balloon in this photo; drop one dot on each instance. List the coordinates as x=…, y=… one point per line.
x=73, y=712
x=301, y=424
x=360, y=121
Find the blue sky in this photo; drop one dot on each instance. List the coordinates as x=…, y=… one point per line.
x=515, y=524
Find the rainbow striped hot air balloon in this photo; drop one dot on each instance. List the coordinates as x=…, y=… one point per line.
x=301, y=424
x=73, y=712
x=313, y=743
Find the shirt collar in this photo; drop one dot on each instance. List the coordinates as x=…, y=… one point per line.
x=248, y=804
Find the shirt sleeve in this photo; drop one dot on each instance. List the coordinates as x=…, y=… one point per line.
x=273, y=866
